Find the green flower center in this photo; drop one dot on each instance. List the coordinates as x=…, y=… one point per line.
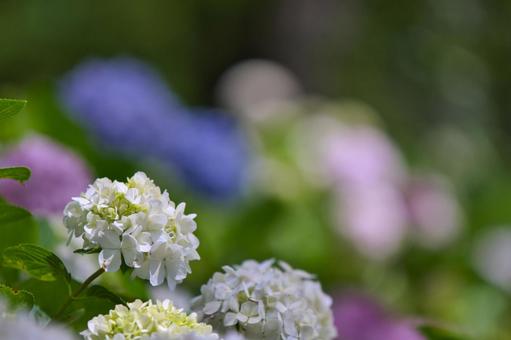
x=119, y=207
x=148, y=319
x=171, y=228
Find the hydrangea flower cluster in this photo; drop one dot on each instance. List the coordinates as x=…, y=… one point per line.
x=49, y=187
x=263, y=301
x=110, y=97
x=135, y=223
x=148, y=320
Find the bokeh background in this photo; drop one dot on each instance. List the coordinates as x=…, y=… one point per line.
x=364, y=141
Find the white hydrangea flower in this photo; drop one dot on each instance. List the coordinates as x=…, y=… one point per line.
x=148, y=321
x=263, y=301
x=231, y=335
x=21, y=326
x=136, y=223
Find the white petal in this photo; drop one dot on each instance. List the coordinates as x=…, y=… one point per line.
x=156, y=272
x=230, y=319
x=109, y=240
x=129, y=250
x=212, y=307
x=110, y=259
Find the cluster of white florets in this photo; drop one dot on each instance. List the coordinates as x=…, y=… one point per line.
x=263, y=301
x=137, y=223
x=148, y=320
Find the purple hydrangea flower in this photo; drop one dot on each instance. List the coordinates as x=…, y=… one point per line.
x=360, y=318
x=57, y=175
x=131, y=110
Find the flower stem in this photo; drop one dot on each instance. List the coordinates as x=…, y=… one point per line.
x=77, y=292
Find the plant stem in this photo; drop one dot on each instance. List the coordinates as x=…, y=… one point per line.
x=76, y=293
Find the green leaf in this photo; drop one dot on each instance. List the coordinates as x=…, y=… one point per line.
x=124, y=285
x=435, y=332
x=21, y=174
x=92, y=307
x=36, y=261
x=84, y=251
x=17, y=298
x=125, y=268
x=74, y=316
x=10, y=107
x=48, y=295
x=103, y=293
x=9, y=214
x=16, y=226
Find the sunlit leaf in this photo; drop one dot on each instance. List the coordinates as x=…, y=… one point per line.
x=36, y=261
x=10, y=107
x=21, y=174
x=17, y=298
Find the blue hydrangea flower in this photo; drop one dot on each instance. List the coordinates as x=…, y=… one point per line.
x=129, y=108
x=121, y=101
x=210, y=152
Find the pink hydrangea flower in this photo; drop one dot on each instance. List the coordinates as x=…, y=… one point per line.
x=57, y=175
x=361, y=156
x=367, y=172
x=373, y=219
x=434, y=211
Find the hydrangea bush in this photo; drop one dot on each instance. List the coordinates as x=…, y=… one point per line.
x=134, y=227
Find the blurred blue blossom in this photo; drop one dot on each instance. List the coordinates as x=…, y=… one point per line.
x=121, y=101
x=210, y=151
x=129, y=108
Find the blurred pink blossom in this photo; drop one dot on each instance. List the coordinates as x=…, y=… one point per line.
x=362, y=156
x=57, y=175
x=368, y=172
x=360, y=318
x=374, y=219
x=434, y=211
